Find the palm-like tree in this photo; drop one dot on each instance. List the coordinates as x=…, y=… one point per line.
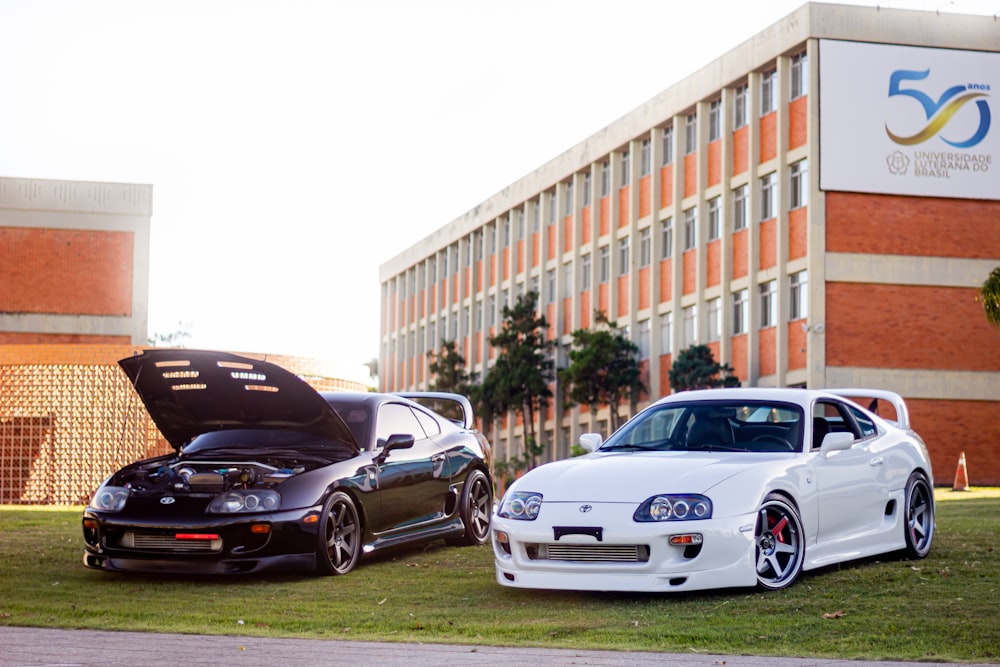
x=989, y=294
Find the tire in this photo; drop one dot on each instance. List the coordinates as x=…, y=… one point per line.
x=779, y=543
x=338, y=541
x=476, y=509
x=919, y=525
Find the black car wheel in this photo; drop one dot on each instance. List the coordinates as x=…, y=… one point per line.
x=919, y=503
x=339, y=538
x=780, y=545
x=476, y=509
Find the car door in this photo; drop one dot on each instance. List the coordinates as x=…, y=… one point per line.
x=849, y=493
x=412, y=481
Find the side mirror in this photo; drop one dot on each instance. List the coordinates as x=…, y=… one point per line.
x=395, y=441
x=836, y=441
x=591, y=441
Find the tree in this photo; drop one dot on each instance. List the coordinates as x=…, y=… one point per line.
x=520, y=377
x=174, y=338
x=448, y=369
x=603, y=369
x=989, y=294
x=696, y=368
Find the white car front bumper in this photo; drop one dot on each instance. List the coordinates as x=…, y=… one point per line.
x=604, y=549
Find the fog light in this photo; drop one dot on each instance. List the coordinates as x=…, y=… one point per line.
x=260, y=528
x=684, y=540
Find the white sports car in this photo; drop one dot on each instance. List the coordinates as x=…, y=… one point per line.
x=722, y=488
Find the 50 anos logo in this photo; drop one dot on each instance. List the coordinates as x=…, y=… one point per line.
x=940, y=112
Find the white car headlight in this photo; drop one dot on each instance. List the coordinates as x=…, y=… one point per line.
x=245, y=500
x=109, y=499
x=674, y=507
x=521, y=505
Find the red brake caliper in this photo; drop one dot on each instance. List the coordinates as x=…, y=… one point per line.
x=778, y=528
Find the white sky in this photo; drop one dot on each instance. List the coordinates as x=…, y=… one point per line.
x=294, y=145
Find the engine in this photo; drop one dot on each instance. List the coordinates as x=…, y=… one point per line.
x=204, y=476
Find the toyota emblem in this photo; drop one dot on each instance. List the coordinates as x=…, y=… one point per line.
x=166, y=500
x=585, y=508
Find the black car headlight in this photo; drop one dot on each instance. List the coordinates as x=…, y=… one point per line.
x=521, y=505
x=674, y=507
x=241, y=501
x=109, y=499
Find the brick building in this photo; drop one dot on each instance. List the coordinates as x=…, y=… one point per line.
x=819, y=206
x=74, y=275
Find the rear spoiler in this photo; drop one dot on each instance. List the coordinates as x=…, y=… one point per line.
x=902, y=413
x=468, y=418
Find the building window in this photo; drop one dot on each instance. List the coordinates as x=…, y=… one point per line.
x=644, y=339
x=690, y=228
x=740, y=204
x=798, y=296
x=690, y=134
x=586, y=189
x=519, y=232
x=551, y=216
x=477, y=322
x=690, y=326
x=667, y=333
x=768, y=305
x=567, y=287
x=740, y=115
x=714, y=216
x=645, y=247
x=605, y=178
x=714, y=313
x=605, y=265
x=585, y=269
x=569, y=197
x=741, y=303
x=768, y=185
x=491, y=310
x=668, y=145
x=623, y=256
x=799, y=184
x=536, y=218
x=714, y=120
x=667, y=238
x=799, y=85
x=550, y=285
x=626, y=171
x=768, y=92
x=645, y=159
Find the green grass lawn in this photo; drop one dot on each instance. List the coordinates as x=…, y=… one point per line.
x=942, y=608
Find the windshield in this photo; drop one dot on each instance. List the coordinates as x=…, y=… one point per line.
x=263, y=442
x=731, y=426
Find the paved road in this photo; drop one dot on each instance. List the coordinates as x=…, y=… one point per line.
x=38, y=647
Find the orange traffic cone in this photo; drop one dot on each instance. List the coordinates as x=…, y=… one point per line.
x=961, y=475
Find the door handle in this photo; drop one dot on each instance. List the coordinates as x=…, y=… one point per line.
x=437, y=458
x=877, y=461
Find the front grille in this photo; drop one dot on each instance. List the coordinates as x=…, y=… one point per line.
x=144, y=541
x=594, y=553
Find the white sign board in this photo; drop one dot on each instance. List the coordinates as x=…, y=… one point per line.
x=909, y=120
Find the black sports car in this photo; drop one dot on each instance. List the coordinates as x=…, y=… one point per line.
x=270, y=473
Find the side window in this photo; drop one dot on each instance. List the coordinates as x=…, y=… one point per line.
x=430, y=425
x=867, y=426
x=394, y=418
x=830, y=417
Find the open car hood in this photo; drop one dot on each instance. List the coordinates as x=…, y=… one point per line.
x=190, y=392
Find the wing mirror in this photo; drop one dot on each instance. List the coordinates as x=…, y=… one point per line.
x=395, y=441
x=833, y=442
x=591, y=441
